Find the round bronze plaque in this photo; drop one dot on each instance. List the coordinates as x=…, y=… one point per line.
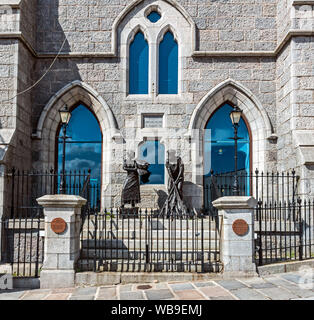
x=240, y=227
x=58, y=225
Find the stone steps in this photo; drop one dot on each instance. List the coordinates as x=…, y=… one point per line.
x=141, y=266
x=154, y=224
x=154, y=245
x=149, y=234
x=137, y=254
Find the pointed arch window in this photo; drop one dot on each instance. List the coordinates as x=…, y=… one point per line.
x=138, y=67
x=168, y=65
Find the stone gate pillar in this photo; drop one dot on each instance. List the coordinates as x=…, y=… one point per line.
x=237, y=249
x=62, y=239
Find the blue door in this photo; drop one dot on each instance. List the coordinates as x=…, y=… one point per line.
x=219, y=152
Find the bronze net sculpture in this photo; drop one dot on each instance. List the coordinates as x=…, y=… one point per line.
x=174, y=206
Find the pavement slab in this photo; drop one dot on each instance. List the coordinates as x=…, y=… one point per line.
x=189, y=295
x=161, y=294
x=214, y=292
x=137, y=295
x=181, y=286
x=89, y=291
x=107, y=293
x=82, y=298
x=203, y=284
x=278, y=294
x=231, y=284
x=248, y=294
x=58, y=296
x=11, y=295
x=34, y=296
x=272, y=287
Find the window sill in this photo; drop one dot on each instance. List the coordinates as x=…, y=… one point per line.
x=161, y=98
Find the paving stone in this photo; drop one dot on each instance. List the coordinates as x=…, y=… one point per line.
x=58, y=296
x=63, y=290
x=11, y=295
x=262, y=285
x=223, y=298
x=161, y=286
x=189, y=295
x=34, y=296
x=82, y=298
x=204, y=284
x=125, y=288
x=107, y=293
x=136, y=295
x=181, y=286
x=248, y=294
x=278, y=293
x=291, y=277
x=89, y=291
x=296, y=278
x=231, y=284
x=161, y=294
x=214, y=292
x=105, y=299
x=291, y=287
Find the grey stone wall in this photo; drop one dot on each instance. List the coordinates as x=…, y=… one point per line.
x=8, y=75
x=281, y=80
x=238, y=25
x=28, y=22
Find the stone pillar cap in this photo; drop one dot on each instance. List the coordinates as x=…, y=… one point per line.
x=235, y=202
x=61, y=201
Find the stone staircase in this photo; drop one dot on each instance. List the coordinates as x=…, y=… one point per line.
x=149, y=244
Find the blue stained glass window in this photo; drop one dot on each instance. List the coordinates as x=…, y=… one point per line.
x=154, y=153
x=168, y=65
x=84, y=147
x=154, y=16
x=138, y=68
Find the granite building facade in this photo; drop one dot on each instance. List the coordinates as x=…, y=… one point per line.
x=254, y=54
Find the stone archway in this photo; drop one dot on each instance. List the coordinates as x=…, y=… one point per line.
x=45, y=136
x=256, y=116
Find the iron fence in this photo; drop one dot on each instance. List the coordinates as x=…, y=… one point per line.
x=285, y=231
x=269, y=186
x=141, y=240
x=27, y=186
x=23, y=245
x=21, y=242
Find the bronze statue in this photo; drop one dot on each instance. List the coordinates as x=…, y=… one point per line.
x=174, y=205
x=131, y=187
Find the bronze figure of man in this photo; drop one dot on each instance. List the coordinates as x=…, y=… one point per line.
x=131, y=187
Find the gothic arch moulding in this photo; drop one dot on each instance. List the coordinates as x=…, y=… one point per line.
x=70, y=94
x=47, y=129
x=150, y=4
x=253, y=110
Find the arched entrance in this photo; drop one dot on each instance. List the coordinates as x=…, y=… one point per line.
x=219, y=152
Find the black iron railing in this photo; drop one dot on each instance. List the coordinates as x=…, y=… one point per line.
x=285, y=231
x=23, y=245
x=269, y=186
x=142, y=240
x=27, y=186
